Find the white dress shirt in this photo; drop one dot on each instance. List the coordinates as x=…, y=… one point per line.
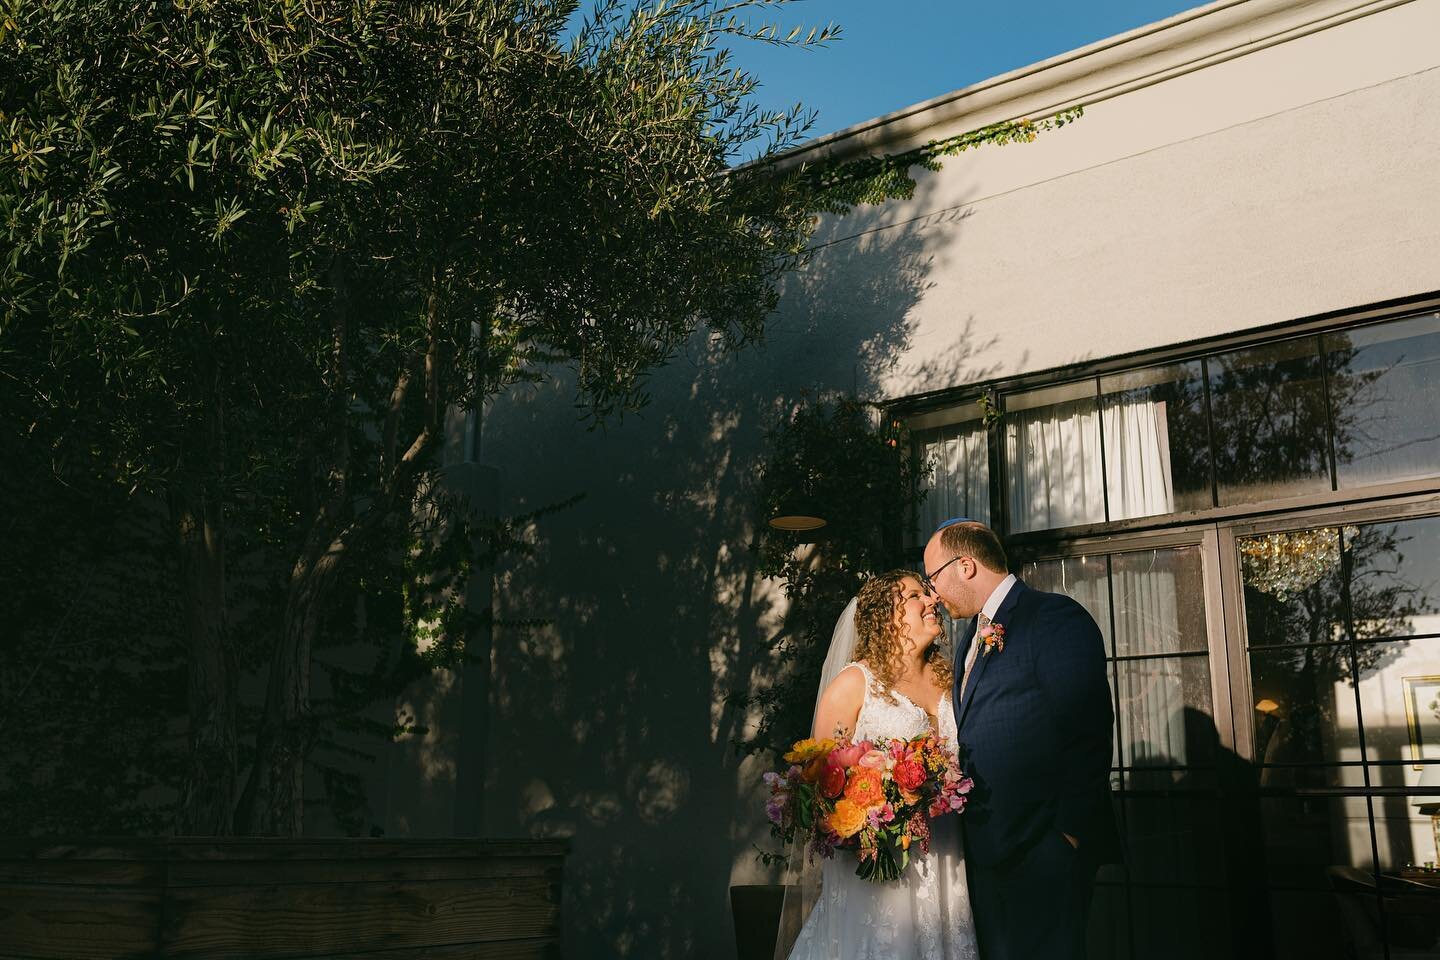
x=997, y=596
x=991, y=607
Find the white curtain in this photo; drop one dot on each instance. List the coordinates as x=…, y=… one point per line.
x=1055, y=475
x=1137, y=460
x=960, y=484
x=1053, y=454
x=1152, y=692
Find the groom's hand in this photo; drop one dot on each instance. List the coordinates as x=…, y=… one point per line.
x=1074, y=844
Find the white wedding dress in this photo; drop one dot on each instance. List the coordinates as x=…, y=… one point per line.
x=925, y=915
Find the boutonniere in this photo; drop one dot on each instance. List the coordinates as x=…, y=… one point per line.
x=993, y=636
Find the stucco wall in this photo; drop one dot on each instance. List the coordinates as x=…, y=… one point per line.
x=1292, y=181
x=1274, y=183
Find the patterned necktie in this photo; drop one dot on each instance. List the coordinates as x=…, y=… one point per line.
x=981, y=622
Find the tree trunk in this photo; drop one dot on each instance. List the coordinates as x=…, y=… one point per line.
x=208, y=796
x=274, y=801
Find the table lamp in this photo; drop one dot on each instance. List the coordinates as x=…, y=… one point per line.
x=1429, y=804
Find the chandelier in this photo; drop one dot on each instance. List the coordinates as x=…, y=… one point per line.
x=1284, y=564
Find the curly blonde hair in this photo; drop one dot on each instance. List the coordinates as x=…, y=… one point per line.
x=880, y=640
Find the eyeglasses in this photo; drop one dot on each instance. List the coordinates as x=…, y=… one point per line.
x=925, y=578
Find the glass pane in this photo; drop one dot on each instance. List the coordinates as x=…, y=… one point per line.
x=1174, y=840
x=1412, y=913
x=1166, y=712
x=1405, y=834
x=1304, y=707
x=1157, y=449
x=1385, y=394
x=1053, y=464
x=960, y=481
x=1159, y=600
x=1293, y=586
x=1083, y=579
x=1400, y=701
x=1394, y=578
x=1309, y=926
x=1311, y=840
x=1177, y=924
x=1108, y=934
x=1270, y=422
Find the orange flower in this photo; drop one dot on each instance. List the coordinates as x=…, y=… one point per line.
x=865, y=788
x=812, y=770
x=847, y=818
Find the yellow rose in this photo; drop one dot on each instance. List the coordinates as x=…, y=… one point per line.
x=847, y=819
x=806, y=750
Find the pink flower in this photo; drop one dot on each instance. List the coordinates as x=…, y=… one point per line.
x=849, y=756
x=875, y=760
x=881, y=815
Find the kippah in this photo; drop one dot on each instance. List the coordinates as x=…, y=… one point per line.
x=952, y=521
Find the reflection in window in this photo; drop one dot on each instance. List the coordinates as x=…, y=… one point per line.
x=1385, y=398
x=960, y=482
x=1343, y=625
x=1083, y=579
x=1166, y=712
x=1052, y=452
x=1159, y=601
x=1157, y=449
x=1270, y=422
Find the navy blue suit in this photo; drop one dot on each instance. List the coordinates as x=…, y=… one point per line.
x=1036, y=732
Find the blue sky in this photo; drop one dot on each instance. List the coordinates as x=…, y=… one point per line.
x=892, y=54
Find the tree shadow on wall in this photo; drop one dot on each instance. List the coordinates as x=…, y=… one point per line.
x=611, y=724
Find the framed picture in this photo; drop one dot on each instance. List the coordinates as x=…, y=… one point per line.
x=1422, y=716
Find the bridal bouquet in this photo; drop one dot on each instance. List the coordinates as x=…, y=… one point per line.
x=876, y=797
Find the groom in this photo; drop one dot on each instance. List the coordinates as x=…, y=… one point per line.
x=1032, y=708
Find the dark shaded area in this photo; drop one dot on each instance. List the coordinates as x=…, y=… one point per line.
x=619, y=736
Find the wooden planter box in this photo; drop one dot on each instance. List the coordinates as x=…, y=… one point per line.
x=258, y=898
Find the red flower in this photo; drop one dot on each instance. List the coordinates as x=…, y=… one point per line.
x=832, y=782
x=909, y=774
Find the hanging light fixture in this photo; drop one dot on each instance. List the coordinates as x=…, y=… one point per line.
x=1285, y=564
x=797, y=518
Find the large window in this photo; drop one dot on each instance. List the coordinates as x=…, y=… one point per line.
x=1297, y=416
x=1272, y=628
x=1342, y=630
x=1150, y=606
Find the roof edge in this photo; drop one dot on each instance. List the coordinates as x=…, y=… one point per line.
x=1128, y=61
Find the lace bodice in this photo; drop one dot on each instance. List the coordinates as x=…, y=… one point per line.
x=897, y=716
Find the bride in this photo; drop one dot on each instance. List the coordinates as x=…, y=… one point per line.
x=885, y=677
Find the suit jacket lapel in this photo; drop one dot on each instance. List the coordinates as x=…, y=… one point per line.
x=1002, y=617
